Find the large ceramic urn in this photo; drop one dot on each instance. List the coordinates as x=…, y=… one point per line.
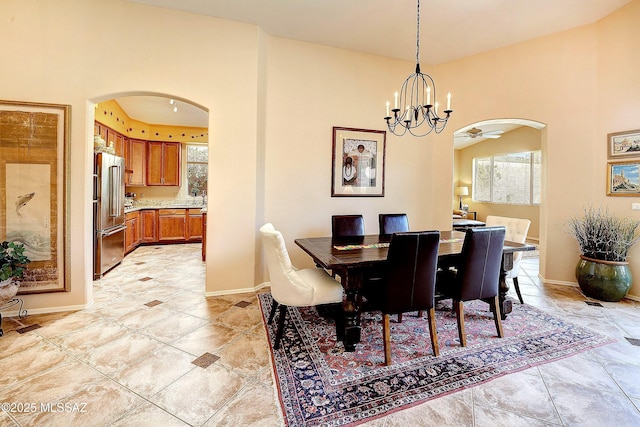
x=603, y=280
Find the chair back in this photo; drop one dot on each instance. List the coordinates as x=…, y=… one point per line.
x=286, y=286
x=410, y=272
x=480, y=260
x=517, y=230
x=393, y=223
x=347, y=226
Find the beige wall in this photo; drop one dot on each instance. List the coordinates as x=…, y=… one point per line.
x=581, y=84
x=519, y=140
x=312, y=88
x=50, y=55
x=272, y=103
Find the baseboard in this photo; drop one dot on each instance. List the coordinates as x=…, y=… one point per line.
x=237, y=291
x=46, y=310
x=557, y=282
x=575, y=285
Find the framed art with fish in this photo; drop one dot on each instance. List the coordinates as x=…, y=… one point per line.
x=34, y=156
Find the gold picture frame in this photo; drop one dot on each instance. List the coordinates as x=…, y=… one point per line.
x=623, y=178
x=34, y=189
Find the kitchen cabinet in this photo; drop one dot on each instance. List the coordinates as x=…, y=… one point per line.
x=100, y=129
x=194, y=225
x=172, y=225
x=204, y=236
x=163, y=226
x=149, y=227
x=136, y=162
x=163, y=163
x=110, y=135
x=118, y=141
x=132, y=236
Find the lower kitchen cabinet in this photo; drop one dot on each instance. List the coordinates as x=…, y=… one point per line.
x=132, y=235
x=149, y=227
x=172, y=225
x=163, y=226
x=194, y=225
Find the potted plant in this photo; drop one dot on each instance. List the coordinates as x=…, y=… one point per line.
x=12, y=263
x=603, y=270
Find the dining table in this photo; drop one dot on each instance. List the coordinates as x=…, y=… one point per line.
x=354, y=258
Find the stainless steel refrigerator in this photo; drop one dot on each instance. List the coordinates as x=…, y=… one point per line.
x=108, y=212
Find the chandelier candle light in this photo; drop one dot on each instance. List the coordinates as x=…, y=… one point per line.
x=420, y=117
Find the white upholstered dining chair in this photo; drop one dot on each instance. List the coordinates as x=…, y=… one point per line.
x=517, y=230
x=291, y=286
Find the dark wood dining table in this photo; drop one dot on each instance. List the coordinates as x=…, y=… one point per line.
x=353, y=258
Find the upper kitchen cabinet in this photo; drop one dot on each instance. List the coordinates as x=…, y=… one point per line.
x=110, y=136
x=136, y=162
x=118, y=141
x=163, y=163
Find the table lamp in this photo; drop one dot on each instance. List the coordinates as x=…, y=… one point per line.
x=461, y=191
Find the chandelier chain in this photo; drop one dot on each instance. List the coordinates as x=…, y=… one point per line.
x=418, y=35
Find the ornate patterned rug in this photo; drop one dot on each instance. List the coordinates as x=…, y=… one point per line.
x=321, y=384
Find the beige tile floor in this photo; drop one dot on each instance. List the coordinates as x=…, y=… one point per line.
x=153, y=351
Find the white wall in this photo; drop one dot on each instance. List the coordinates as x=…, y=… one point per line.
x=272, y=103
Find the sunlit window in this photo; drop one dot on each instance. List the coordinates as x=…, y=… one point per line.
x=197, y=158
x=508, y=178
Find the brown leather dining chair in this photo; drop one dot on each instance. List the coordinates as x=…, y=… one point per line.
x=393, y=223
x=408, y=283
x=347, y=226
x=476, y=275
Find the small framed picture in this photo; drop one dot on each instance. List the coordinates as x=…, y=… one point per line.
x=623, y=178
x=623, y=144
x=358, y=162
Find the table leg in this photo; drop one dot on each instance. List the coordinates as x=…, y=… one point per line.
x=503, y=286
x=352, y=283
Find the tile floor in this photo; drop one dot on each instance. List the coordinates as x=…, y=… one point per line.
x=152, y=351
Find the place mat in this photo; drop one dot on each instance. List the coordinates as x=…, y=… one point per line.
x=352, y=247
x=383, y=245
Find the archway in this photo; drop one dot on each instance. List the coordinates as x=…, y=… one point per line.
x=493, y=137
x=156, y=117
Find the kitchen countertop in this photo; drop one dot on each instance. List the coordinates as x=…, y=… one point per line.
x=146, y=207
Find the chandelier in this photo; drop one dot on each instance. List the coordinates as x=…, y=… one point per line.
x=418, y=115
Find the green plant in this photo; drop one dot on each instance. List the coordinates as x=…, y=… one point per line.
x=12, y=260
x=603, y=236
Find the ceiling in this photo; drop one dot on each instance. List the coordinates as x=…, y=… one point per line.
x=449, y=30
x=158, y=111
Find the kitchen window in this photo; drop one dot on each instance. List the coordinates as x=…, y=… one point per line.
x=512, y=178
x=197, y=159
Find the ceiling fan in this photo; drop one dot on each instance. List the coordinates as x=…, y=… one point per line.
x=479, y=133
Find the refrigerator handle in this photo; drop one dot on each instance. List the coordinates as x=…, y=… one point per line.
x=114, y=231
x=114, y=193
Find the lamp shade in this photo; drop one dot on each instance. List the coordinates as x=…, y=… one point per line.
x=461, y=191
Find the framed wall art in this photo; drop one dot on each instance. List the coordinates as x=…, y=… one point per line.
x=34, y=158
x=623, y=144
x=358, y=162
x=623, y=178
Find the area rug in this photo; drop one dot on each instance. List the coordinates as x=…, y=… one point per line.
x=319, y=384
